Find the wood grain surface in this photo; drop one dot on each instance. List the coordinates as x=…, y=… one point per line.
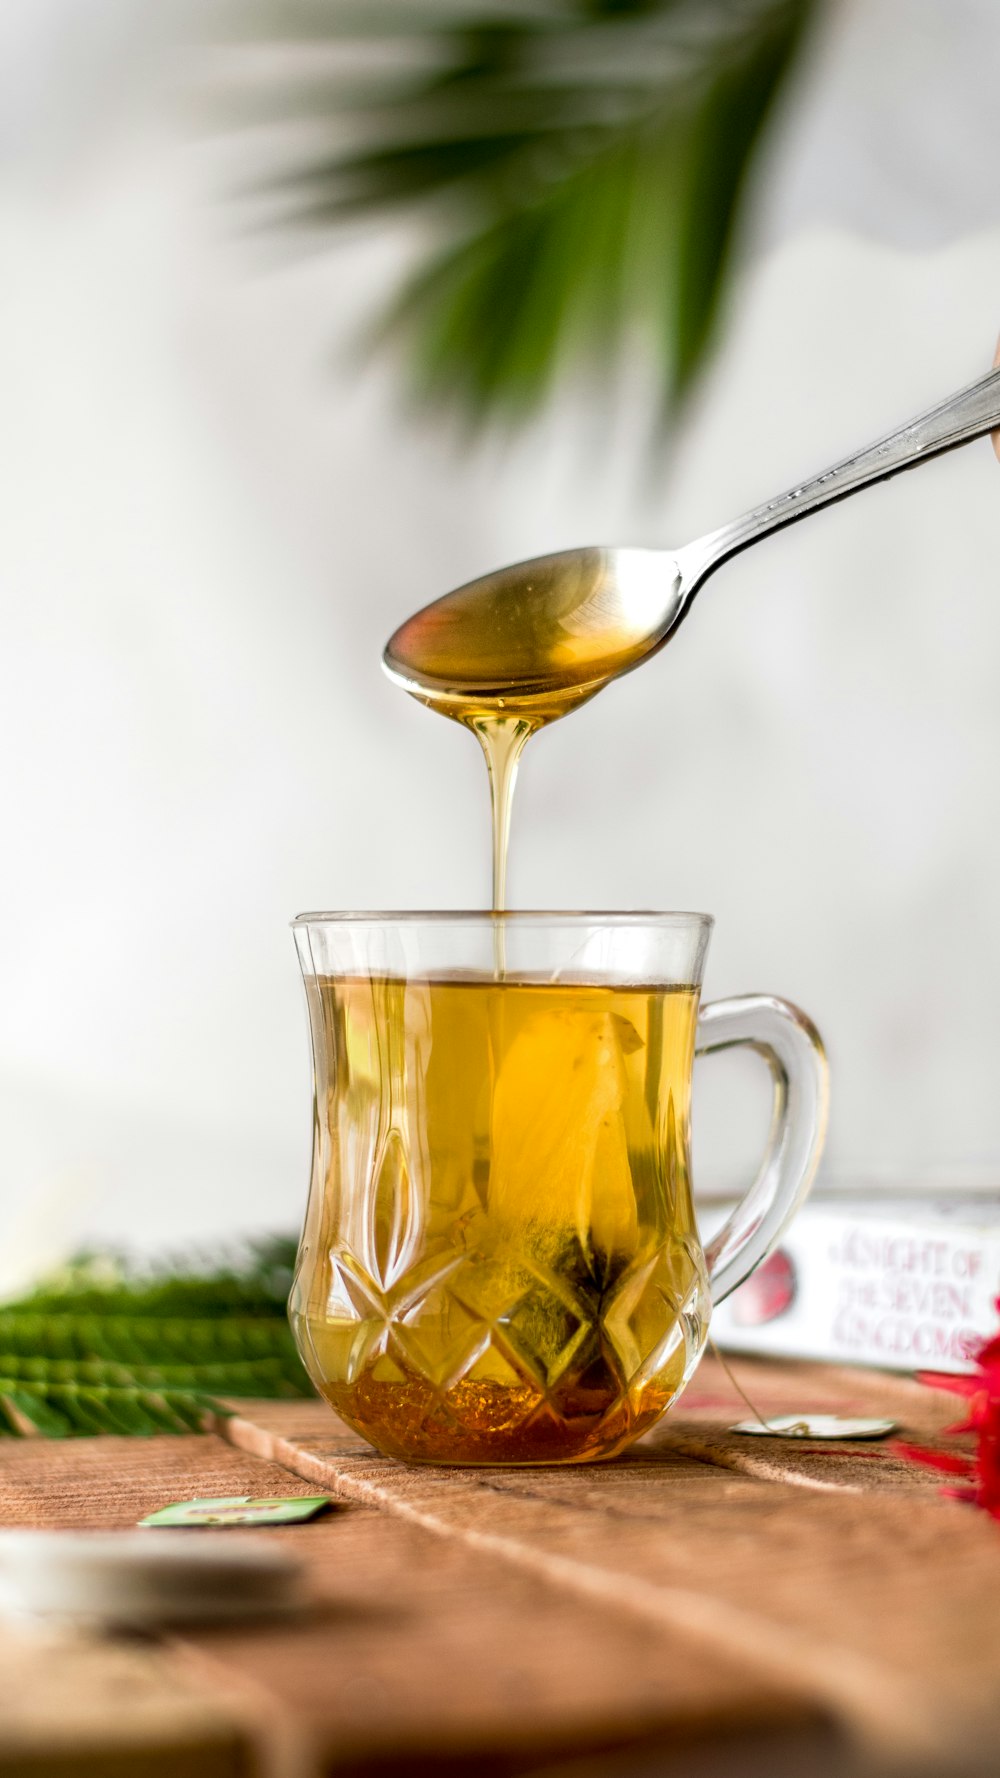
x=706, y=1604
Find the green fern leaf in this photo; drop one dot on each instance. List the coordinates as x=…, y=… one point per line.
x=62, y=1409
x=24, y=1411
x=110, y=1346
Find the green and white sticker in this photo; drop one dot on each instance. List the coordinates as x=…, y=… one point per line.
x=241, y=1509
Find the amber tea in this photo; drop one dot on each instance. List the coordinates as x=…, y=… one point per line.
x=500, y=1261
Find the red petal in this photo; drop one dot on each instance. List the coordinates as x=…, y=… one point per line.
x=956, y=1385
x=948, y=1461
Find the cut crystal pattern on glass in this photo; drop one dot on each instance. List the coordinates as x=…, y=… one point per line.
x=505, y=1265
x=544, y=1330
x=392, y=1232
x=483, y=1347
x=648, y=1319
x=441, y=1338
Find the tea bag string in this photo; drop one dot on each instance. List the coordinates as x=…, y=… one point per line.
x=800, y=1428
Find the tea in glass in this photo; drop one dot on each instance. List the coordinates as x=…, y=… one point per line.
x=506, y=1261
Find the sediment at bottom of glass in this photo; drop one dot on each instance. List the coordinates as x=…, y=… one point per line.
x=586, y=1416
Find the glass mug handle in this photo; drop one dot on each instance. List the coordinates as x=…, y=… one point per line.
x=791, y=1046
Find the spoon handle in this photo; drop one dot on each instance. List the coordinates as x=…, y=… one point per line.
x=968, y=414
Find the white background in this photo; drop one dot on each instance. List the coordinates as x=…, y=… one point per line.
x=212, y=518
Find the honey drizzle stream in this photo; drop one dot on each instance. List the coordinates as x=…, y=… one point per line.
x=502, y=740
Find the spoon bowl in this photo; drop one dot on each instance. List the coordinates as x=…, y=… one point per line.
x=563, y=624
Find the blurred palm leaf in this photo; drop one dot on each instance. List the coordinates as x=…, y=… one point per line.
x=583, y=164
x=107, y=1346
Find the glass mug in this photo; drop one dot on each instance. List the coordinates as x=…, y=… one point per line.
x=500, y=1262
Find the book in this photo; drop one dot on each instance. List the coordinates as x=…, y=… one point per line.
x=905, y=1282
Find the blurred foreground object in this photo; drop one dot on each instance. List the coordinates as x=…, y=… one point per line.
x=583, y=164
x=108, y=1347
x=140, y=1580
x=978, y=1469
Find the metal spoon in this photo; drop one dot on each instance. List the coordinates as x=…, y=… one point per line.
x=564, y=625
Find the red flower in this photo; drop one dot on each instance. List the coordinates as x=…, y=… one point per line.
x=980, y=1468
